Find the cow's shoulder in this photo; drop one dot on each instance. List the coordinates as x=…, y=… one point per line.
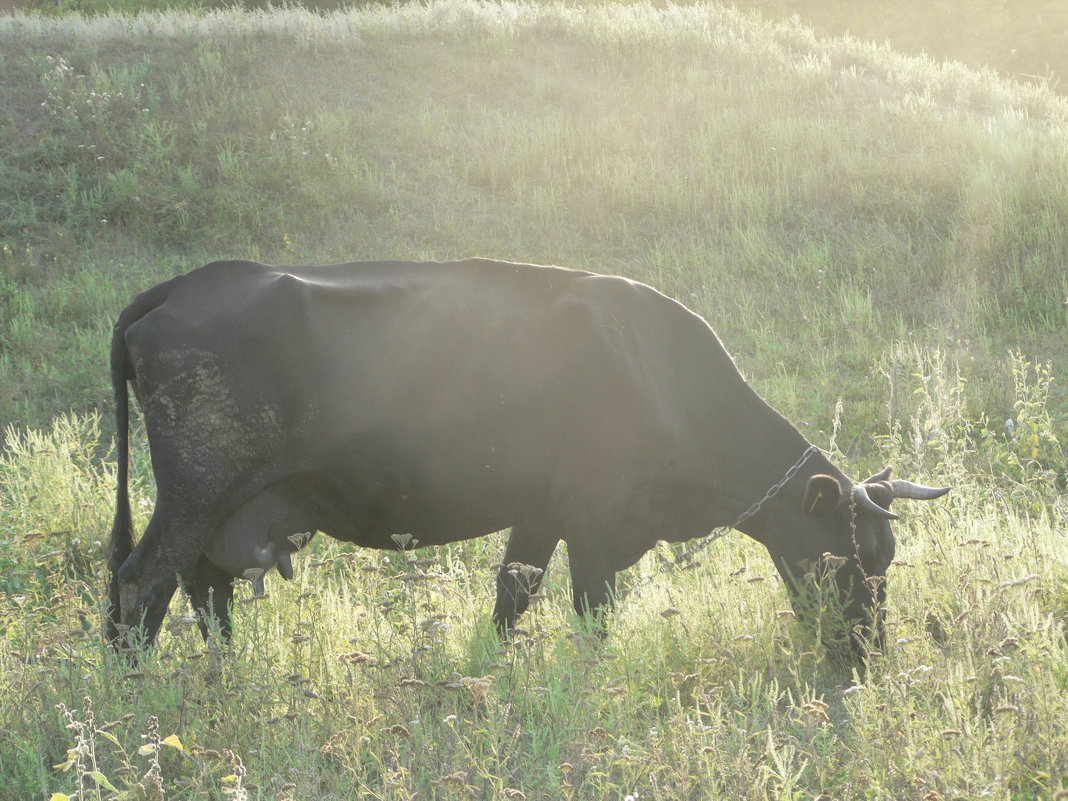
x=628, y=314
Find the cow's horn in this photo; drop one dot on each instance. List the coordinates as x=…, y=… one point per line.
x=864, y=501
x=881, y=476
x=916, y=492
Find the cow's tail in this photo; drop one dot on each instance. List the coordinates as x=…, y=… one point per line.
x=120, y=543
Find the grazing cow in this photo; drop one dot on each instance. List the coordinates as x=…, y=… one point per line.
x=451, y=400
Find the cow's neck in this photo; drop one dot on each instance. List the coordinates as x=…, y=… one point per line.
x=751, y=457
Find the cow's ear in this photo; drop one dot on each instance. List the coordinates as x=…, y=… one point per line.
x=822, y=496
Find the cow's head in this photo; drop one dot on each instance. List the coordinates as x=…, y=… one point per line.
x=840, y=570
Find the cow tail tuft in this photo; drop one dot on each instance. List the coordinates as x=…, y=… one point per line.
x=120, y=543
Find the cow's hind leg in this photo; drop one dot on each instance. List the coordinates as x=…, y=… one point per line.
x=211, y=592
x=148, y=579
x=525, y=558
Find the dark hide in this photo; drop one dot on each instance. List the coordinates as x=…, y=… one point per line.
x=449, y=401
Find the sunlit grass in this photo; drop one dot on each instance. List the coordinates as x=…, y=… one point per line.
x=771, y=179
x=378, y=675
x=857, y=225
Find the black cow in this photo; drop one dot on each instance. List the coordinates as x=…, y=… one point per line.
x=447, y=401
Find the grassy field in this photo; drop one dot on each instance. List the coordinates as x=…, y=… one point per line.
x=1021, y=39
x=1024, y=40
x=879, y=240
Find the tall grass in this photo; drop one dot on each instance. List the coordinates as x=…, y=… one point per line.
x=378, y=676
x=870, y=233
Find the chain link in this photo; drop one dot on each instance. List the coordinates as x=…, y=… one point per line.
x=684, y=559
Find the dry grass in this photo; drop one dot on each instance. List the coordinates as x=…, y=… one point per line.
x=855, y=223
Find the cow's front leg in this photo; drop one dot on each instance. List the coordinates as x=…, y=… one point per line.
x=593, y=581
x=529, y=549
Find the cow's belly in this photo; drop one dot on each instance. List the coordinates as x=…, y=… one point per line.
x=439, y=488
x=409, y=523
x=377, y=513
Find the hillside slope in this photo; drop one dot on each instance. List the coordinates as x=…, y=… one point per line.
x=814, y=198
x=1023, y=39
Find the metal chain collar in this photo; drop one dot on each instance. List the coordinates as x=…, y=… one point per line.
x=685, y=558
